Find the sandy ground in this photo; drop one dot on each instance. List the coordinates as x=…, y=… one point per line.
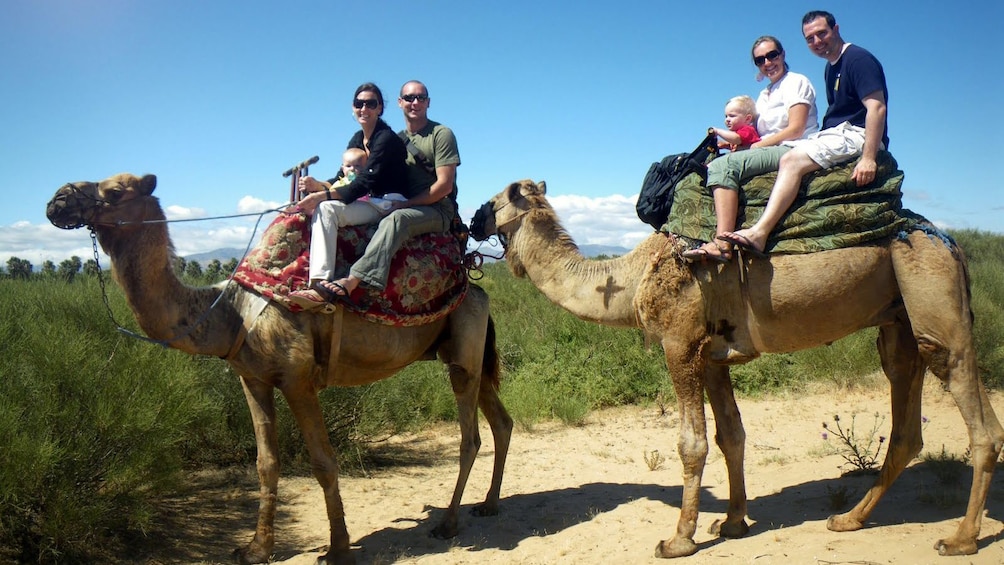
x=587, y=494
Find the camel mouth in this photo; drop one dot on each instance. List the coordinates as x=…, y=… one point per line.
x=479, y=224
x=61, y=213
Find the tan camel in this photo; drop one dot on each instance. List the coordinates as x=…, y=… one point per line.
x=291, y=352
x=915, y=290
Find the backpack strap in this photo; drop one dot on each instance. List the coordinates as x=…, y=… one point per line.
x=420, y=157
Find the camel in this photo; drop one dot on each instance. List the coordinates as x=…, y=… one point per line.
x=292, y=352
x=709, y=316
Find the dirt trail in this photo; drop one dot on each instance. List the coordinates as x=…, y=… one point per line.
x=587, y=495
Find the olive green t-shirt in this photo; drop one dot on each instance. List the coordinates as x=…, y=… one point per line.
x=439, y=146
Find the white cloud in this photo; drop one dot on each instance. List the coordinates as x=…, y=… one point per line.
x=604, y=220
x=254, y=205
x=175, y=213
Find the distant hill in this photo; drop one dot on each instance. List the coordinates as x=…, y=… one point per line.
x=224, y=254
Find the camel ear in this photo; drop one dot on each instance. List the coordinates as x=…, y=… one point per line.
x=542, y=187
x=147, y=184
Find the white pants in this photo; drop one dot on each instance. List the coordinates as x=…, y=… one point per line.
x=328, y=217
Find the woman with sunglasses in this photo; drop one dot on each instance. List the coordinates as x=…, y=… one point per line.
x=786, y=111
x=364, y=200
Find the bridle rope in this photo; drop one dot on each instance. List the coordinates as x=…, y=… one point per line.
x=223, y=289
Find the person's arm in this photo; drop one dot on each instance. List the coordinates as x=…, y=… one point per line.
x=798, y=116
x=875, y=111
x=446, y=176
x=729, y=136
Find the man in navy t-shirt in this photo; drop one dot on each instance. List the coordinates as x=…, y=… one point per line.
x=854, y=125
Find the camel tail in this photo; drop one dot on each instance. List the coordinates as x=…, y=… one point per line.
x=490, y=373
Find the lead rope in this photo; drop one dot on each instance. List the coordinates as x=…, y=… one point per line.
x=202, y=318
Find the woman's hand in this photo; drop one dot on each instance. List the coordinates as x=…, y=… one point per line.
x=308, y=185
x=309, y=203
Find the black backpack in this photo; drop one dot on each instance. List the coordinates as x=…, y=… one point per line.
x=656, y=197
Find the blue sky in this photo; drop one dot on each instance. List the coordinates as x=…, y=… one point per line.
x=217, y=98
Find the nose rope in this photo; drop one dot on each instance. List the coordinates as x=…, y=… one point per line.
x=202, y=318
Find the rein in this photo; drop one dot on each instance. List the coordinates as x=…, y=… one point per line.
x=202, y=318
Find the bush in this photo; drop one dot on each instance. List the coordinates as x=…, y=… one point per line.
x=91, y=423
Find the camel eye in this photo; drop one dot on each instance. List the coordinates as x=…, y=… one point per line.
x=113, y=195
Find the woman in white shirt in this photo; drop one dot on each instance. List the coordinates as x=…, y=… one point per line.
x=786, y=111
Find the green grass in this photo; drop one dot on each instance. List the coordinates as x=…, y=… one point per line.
x=95, y=426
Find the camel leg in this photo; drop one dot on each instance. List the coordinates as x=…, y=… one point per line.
x=262, y=405
x=465, y=389
x=904, y=368
x=957, y=368
x=731, y=439
x=935, y=288
x=986, y=439
x=306, y=408
x=501, y=425
x=692, y=447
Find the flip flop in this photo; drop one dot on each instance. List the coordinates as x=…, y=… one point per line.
x=307, y=299
x=333, y=291
x=742, y=242
x=697, y=255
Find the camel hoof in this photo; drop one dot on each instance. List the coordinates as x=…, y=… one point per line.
x=328, y=559
x=726, y=530
x=444, y=531
x=676, y=547
x=482, y=510
x=948, y=547
x=250, y=555
x=843, y=523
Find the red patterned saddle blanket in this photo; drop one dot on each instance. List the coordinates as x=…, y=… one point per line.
x=427, y=277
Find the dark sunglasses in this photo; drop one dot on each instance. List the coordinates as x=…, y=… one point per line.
x=370, y=103
x=414, y=97
x=770, y=56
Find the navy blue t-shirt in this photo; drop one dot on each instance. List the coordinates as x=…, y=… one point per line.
x=855, y=75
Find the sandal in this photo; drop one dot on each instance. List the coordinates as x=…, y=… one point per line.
x=699, y=254
x=308, y=299
x=743, y=243
x=332, y=291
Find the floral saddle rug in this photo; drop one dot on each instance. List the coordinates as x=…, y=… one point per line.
x=831, y=211
x=427, y=281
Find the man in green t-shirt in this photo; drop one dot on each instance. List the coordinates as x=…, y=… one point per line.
x=432, y=162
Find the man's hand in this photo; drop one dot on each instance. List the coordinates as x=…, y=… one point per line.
x=864, y=171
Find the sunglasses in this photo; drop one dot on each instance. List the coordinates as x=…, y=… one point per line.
x=370, y=103
x=768, y=57
x=414, y=97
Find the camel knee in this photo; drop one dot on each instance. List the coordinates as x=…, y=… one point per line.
x=937, y=355
x=730, y=439
x=693, y=453
x=461, y=380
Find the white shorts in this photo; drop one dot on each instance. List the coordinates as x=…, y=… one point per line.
x=832, y=146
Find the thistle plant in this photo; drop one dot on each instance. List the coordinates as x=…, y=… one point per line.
x=862, y=452
x=654, y=459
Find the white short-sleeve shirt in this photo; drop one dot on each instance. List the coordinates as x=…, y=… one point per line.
x=774, y=101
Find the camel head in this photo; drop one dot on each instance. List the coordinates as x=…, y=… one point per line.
x=500, y=215
x=115, y=200
x=509, y=210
